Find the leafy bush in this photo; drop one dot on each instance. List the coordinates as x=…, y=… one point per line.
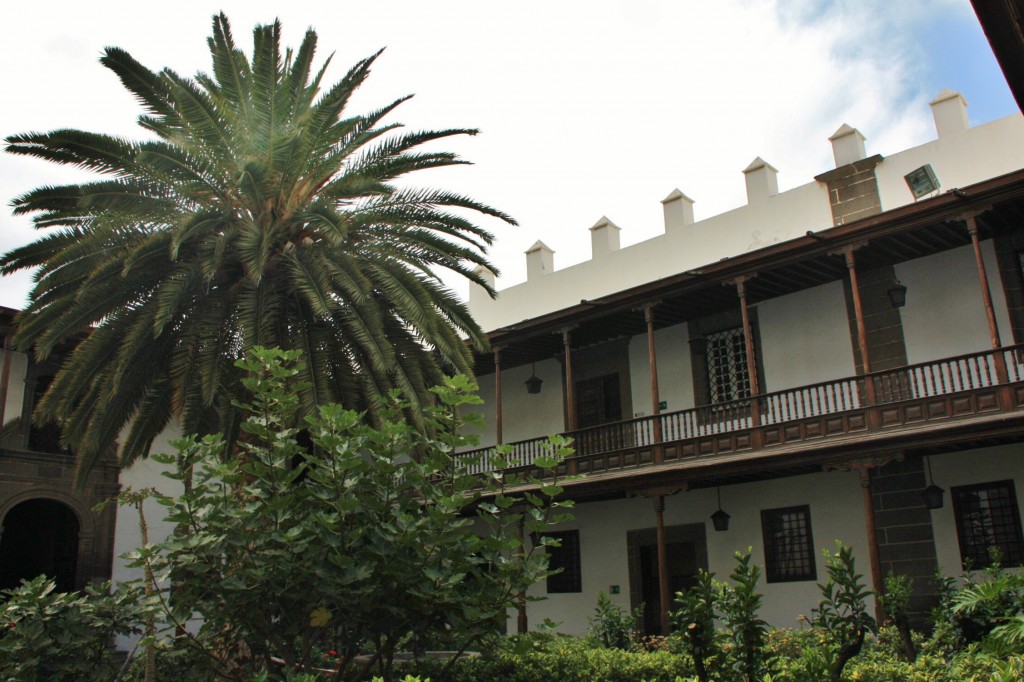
x=612, y=628
x=842, y=613
x=695, y=621
x=740, y=604
x=564, y=659
x=50, y=635
x=369, y=538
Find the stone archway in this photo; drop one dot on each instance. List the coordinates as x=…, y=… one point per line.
x=39, y=535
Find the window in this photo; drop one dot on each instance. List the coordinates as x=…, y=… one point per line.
x=987, y=516
x=788, y=545
x=728, y=375
x=567, y=558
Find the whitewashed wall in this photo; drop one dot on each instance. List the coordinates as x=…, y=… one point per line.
x=837, y=512
x=967, y=468
x=805, y=338
x=945, y=315
x=523, y=415
x=143, y=474
x=15, y=385
x=675, y=371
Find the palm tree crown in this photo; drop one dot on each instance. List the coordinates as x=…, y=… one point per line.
x=263, y=214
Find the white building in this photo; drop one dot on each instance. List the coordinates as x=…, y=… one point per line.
x=814, y=352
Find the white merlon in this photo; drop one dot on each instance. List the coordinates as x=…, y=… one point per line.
x=762, y=180
x=540, y=260
x=604, y=238
x=949, y=109
x=678, y=210
x=477, y=292
x=847, y=145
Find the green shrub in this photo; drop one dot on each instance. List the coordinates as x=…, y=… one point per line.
x=695, y=621
x=50, y=635
x=565, y=659
x=842, y=612
x=613, y=628
x=746, y=631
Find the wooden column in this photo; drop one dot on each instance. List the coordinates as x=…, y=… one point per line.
x=748, y=340
x=570, y=393
x=663, y=595
x=877, y=581
x=497, y=396
x=571, y=465
x=652, y=359
x=522, y=624
x=858, y=313
x=986, y=298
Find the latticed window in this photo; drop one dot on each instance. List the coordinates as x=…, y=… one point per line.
x=987, y=517
x=788, y=544
x=728, y=374
x=567, y=558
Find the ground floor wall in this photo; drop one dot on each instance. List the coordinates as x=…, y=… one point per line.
x=913, y=540
x=835, y=504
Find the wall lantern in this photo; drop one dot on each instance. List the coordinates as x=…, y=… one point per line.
x=534, y=382
x=922, y=181
x=898, y=295
x=720, y=520
x=932, y=494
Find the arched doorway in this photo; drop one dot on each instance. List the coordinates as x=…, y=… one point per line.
x=39, y=536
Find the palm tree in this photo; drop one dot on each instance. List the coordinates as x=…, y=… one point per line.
x=262, y=213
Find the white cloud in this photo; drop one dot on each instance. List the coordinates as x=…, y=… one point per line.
x=586, y=110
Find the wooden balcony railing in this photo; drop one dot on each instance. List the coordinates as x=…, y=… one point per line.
x=951, y=387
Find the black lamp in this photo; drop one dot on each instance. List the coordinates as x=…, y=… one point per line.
x=720, y=520
x=932, y=494
x=898, y=295
x=534, y=382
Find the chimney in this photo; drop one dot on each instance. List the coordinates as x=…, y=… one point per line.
x=604, y=238
x=847, y=145
x=678, y=210
x=761, y=180
x=949, y=109
x=540, y=260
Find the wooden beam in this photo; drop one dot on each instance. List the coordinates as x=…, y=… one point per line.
x=663, y=594
x=570, y=392
x=498, y=395
x=652, y=360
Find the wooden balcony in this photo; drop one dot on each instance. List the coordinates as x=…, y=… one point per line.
x=978, y=393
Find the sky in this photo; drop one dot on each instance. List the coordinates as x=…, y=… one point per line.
x=585, y=109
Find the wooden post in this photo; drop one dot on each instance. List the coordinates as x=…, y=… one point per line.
x=858, y=313
x=570, y=393
x=652, y=358
x=877, y=581
x=748, y=340
x=522, y=624
x=497, y=396
x=986, y=297
x=663, y=595
x=571, y=465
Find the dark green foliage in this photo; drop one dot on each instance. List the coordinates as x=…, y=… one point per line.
x=50, y=635
x=258, y=212
x=740, y=603
x=613, y=628
x=370, y=540
x=990, y=610
x=695, y=621
x=842, y=612
x=896, y=604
